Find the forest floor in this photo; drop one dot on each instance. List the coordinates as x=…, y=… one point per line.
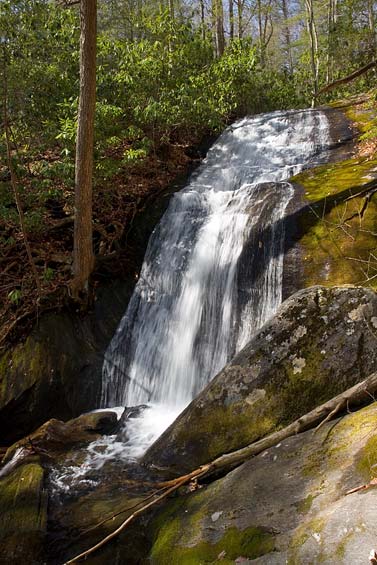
x=47, y=194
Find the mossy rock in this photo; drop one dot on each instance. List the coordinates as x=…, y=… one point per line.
x=333, y=225
x=23, y=515
x=287, y=505
x=56, y=372
x=320, y=342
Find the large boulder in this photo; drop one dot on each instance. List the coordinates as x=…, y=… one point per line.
x=56, y=372
x=287, y=505
x=23, y=515
x=55, y=436
x=320, y=342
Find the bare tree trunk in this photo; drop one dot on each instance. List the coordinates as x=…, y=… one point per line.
x=231, y=19
x=202, y=20
x=83, y=257
x=287, y=36
x=312, y=30
x=218, y=13
x=330, y=24
x=372, y=26
x=239, y=17
x=263, y=13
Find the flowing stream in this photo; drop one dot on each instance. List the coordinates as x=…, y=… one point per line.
x=212, y=273
x=211, y=277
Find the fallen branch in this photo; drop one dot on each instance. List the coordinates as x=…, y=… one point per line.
x=178, y=483
x=356, y=395
x=347, y=79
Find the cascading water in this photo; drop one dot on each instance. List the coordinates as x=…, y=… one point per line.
x=212, y=275
x=200, y=296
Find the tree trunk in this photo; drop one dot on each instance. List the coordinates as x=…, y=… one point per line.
x=202, y=20
x=240, y=20
x=218, y=13
x=313, y=46
x=83, y=257
x=287, y=36
x=372, y=26
x=231, y=20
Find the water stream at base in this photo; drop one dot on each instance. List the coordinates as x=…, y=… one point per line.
x=212, y=273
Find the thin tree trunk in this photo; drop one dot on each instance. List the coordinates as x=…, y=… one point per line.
x=287, y=36
x=239, y=17
x=313, y=47
x=13, y=177
x=202, y=20
x=330, y=28
x=372, y=26
x=231, y=19
x=218, y=12
x=83, y=257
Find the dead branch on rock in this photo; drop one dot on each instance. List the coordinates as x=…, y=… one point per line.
x=357, y=395
x=372, y=483
x=178, y=483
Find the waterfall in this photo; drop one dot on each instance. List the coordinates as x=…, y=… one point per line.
x=212, y=274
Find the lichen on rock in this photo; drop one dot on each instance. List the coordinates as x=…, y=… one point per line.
x=297, y=370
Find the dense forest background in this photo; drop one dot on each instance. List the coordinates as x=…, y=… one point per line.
x=169, y=73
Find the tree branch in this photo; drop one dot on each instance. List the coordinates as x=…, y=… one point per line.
x=356, y=395
x=346, y=79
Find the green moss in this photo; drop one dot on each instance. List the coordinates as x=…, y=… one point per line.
x=362, y=116
x=229, y=427
x=367, y=459
x=305, y=505
x=250, y=543
x=337, y=241
x=341, y=548
x=301, y=536
x=22, y=501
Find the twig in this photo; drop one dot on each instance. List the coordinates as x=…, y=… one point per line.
x=356, y=394
x=329, y=416
x=176, y=486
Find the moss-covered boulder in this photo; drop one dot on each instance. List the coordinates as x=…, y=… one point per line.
x=320, y=342
x=287, y=505
x=23, y=515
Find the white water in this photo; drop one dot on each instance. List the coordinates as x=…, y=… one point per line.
x=197, y=301
x=212, y=274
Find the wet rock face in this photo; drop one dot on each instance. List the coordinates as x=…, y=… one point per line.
x=287, y=505
x=56, y=372
x=55, y=436
x=23, y=515
x=321, y=341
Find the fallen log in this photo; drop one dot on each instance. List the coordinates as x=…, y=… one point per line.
x=357, y=395
x=347, y=79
